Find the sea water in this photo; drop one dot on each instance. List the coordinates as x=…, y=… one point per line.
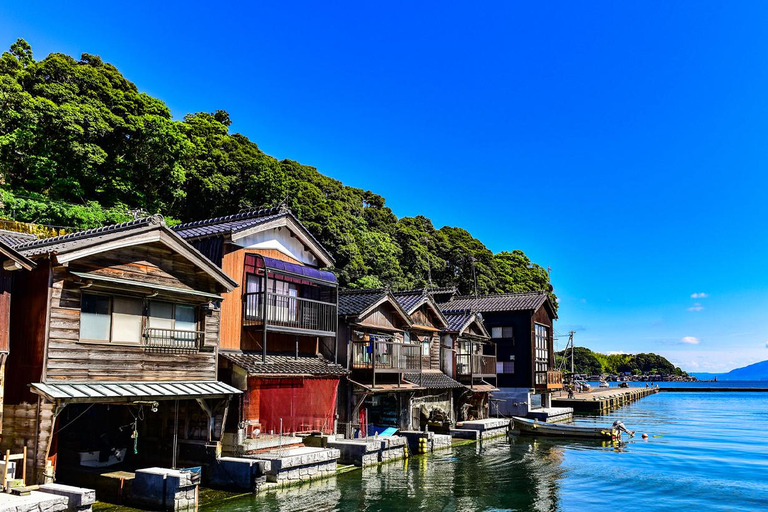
x=705, y=451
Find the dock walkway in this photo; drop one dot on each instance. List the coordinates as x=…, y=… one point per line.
x=603, y=400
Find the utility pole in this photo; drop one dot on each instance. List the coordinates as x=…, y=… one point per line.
x=570, y=341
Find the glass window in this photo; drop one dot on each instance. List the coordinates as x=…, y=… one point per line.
x=507, y=332
x=127, y=316
x=496, y=332
x=185, y=318
x=160, y=315
x=95, y=318
x=425, y=347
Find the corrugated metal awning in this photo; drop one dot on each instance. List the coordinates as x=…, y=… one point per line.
x=110, y=392
x=149, y=286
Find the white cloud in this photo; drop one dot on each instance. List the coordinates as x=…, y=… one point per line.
x=696, y=307
x=690, y=340
x=701, y=295
x=621, y=352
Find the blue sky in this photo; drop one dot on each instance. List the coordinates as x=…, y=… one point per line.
x=623, y=144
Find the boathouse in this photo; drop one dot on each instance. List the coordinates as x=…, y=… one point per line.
x=521, y=326
x=468, y=356
x=375, y=346
x=113, y=343
x=278, y=325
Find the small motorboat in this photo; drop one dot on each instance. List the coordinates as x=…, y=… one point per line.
x=540, y=428
x=604, y=384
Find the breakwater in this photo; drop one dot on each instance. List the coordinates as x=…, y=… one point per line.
x=603, y=400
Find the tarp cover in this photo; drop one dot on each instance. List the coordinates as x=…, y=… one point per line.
x=304, y=404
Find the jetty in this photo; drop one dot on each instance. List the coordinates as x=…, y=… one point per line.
x=603, y=400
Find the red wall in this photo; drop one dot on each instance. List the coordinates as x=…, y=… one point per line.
x=303, y=403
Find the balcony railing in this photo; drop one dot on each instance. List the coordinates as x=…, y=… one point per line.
x=475, y=365
x=551, y=379
x=386, y=356
x=290, y=312
x=173, y=340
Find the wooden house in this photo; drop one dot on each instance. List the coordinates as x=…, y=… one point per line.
x=470, y=358
x=521, y=326
x=376, y=348
x=113, y=344
x=13, y=264
x=278, y=330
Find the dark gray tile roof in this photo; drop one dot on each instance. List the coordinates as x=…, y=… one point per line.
x=283, y=364
x=13, y=238
x=432, y=380
x=87, y=237
x=409, y=299
x=354, y=302
x=457, y=318
x=495, y=303
x=229, y=223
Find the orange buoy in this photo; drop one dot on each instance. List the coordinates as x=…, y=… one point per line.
x=645, y=436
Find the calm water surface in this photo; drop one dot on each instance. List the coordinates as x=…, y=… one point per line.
x=706, y=451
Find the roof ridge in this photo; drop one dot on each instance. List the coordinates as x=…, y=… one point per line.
x=362, y=291
x=490, y=295
x=250, y=214
x=458, y=311
x=111, y=228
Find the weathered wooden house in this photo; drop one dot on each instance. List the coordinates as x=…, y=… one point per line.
x=375, y=346
x=521, y=326
x=469, y=357
x=278, y=330
x=113, y=344
x=13, y=264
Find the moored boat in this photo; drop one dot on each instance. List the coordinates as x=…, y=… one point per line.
x=534, y=427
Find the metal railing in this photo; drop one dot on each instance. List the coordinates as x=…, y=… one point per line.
x=172, y=339
x=479, y=365
x=386, y=356
x=288, y=311
x=550, y=379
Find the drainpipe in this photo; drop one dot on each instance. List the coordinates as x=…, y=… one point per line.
x=264, y=317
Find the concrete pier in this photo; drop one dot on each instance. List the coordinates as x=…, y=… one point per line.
x=490, y=427
x=602, y=400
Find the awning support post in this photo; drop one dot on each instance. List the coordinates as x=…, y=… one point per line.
x=208, y=412
x=175, y=433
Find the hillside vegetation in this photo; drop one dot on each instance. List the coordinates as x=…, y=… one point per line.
x=594, y=363
x=80, y=147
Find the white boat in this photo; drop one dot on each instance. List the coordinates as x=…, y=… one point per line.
x=91, y=459
x=541, y=428
x=604, y=384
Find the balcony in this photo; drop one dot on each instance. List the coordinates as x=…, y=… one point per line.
x=386, y=356
x=288, y=313
x=475, y=365
x=550, y=379
x=172, y=340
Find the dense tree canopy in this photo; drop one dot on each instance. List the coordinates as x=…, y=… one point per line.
x=595, y=363
x=80, y=146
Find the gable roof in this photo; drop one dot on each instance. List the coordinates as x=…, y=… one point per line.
x=359, y=303
x=460, y=319
x=240, y=225
x=411, y=300
x=530, y=301
x=283, y=364
x=93, y=241
x=18, y=261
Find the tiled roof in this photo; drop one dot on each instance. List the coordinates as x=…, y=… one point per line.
x=501, y=302
x=432, y=380
x=457, y=318
x=354, y=302
x=229, y=223
x=252, y=363
x=409, y=299
x=13, y=238
x=87, y=237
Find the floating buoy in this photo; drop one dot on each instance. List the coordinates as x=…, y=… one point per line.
x=645, y=436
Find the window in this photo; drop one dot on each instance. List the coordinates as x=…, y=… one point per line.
x=502, y=332
x=542, y=353
x=120, y=319
x=425, y=346
x=95, y=317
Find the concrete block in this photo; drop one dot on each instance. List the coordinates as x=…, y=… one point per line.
x=79, y=498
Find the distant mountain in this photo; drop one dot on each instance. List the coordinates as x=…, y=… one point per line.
x=757, y=371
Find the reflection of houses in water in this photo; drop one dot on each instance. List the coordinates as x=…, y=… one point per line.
x=116, y=334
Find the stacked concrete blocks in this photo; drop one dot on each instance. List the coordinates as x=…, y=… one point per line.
x=79, y=499
x=167, y=489
x=487, y=428
x=287, y=467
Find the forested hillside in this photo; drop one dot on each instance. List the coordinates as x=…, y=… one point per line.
x=80, y=147
x=595, y=363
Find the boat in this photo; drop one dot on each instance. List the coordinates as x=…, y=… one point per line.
x=539, y=428
x=604, y=383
